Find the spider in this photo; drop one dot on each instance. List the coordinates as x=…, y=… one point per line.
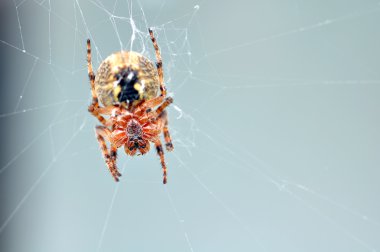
x=127, y=84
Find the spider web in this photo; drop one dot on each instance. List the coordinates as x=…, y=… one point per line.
x=275, y=127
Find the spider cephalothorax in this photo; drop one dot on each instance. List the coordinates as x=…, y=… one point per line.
x=127, y=85
x=136, y=139
x=135, y=135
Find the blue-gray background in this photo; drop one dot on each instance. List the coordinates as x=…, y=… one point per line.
x=275, y=125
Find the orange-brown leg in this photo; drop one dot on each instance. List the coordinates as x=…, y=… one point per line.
x=159, y=63
x=149, y=113
x=91, y=74
x=167, y=102
x=95, y=112
x=160, y=153
x=148, y=105
x=101, y=133
x=93, y=108
x=168, y=141
x=113, y=155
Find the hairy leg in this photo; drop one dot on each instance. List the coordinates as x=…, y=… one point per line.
x=160, y=153
x=148, y=105
x=91, y=74
x=114, y=158
x=101, y=133
x=167, y=102
x=158, y=64
x=168, y=141
x=93, y=108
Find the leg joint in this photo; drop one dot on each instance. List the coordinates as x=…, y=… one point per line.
x=159, y=149
x=91, y=76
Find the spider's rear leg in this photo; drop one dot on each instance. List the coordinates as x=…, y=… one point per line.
x=101, y=133
x=168, y=140
x=160, y=153
x=114, y=158
x=163, y=116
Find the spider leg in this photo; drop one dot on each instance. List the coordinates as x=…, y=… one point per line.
x=91, y=74
x=93, y=108
x=160, y=110
x=148, y=105
x=94, y=111
x=162, y=107
x=168, y=140
x=114, y=157
x=149, y=113
x=101, y=133
x=160, y=153
x=108, y=110
x=158, y=64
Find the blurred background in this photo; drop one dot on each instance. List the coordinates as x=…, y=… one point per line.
x=275, y=127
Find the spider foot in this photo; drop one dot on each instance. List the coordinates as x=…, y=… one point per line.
x=116, y=174
x=91, y=108
x=169, y=146
x=113, y=169
x=116, y=178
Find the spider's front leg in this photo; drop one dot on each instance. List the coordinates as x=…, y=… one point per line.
x=101, y=133
x=158, y=63
x=94, y=107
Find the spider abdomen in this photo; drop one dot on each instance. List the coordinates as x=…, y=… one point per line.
x=126, y=78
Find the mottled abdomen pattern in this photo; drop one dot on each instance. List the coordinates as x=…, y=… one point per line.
x=126, y=77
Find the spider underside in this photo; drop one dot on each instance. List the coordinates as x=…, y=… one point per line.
x=136, y=115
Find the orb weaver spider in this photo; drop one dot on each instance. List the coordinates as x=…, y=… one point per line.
x=127, y=84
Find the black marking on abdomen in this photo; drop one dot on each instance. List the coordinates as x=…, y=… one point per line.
x=127, y=79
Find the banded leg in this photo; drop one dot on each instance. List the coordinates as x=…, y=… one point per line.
x=93, y=108
x=168, y=140
x=94, y=111
x=91, y=74
x=156, y=114
x=167, y=102
x=101, y=133
x=160, y=153
x=148, y=105
x=114, y=158
x=159, y=63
